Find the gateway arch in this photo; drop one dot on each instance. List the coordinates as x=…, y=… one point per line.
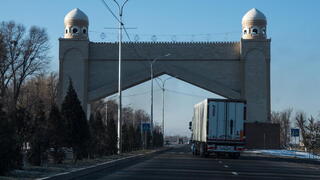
x=235, y=70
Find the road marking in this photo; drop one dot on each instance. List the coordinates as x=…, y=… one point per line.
x=226, y=166
x=235, y=173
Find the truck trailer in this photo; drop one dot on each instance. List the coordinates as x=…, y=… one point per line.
x=218, y=127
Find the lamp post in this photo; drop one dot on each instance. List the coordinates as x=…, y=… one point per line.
x=151, y=77
x=119, y=143
x=163, y=82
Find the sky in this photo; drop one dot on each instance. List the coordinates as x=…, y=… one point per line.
x=293, y=26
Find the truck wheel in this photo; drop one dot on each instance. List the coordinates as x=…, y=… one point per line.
x=235, y=155
x=217, y=154
x=196, y=151
x=202, y=150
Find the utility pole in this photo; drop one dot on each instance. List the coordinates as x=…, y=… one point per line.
x=106, y=112
x=151, y=111
x=119, y=145
x=119, y=142
x=163, y=82
x=151, y=77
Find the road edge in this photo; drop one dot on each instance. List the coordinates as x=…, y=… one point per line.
x=99, y=167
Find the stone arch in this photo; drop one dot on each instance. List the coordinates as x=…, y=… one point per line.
x=235, y=70
x=72, y=49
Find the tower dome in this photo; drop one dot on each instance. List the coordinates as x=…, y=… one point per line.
x=254, y=25
x=76, y=25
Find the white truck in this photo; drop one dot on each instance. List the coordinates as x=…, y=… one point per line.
x=218, y=127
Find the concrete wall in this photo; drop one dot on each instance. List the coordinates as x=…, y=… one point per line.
x=262, y=135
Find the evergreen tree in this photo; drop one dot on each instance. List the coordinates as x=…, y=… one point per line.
x=78, y=130
x=20, y=121
x=92, y=144
x=99, y=135
x=39, y=139
x=57, y=134
x=131, y=138
x=111, y=135
x=149, y=139
x=137, y=136
x=125, y=138
x=157, y=139
x=10, y=152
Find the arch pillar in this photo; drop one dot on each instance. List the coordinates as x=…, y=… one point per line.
x=73, y=64
x=255, y=55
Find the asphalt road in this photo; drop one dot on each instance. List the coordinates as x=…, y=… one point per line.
x=178, y=163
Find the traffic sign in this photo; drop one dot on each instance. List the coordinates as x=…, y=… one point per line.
x=146, y=127
x=295, y=132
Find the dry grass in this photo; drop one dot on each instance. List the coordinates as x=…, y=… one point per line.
x=32, y=172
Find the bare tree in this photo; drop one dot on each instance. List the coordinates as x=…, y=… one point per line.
x=283, y=118
x=286, y=116
x=275, y=117
x=25, y=55
x=99, y=107
x=39, y=88
x=301, y=122
x=52, y=85
x=128, y=116
x=313, y=129
x=140, y=116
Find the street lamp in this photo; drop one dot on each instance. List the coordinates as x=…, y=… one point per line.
x=151, y=70
x=120, y=7
x=163, y=82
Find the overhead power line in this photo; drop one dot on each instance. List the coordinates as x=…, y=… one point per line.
x=112, y=13
x=139, y=94
x=184, y=93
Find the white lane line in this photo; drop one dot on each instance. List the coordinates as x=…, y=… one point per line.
x=226, y=166
x=235, y=173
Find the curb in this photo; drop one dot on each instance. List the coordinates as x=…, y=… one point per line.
x=99, y=167
x=286, y=158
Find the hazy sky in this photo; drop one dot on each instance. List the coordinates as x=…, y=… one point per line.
x=293, y=27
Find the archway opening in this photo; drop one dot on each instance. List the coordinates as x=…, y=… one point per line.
x=178, y=96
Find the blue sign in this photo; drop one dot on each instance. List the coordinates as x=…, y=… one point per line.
x=145, y=126
x=295, y=132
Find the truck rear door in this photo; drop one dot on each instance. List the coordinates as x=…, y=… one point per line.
x=235, y=120
x=216, y=120
x=225, y=120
